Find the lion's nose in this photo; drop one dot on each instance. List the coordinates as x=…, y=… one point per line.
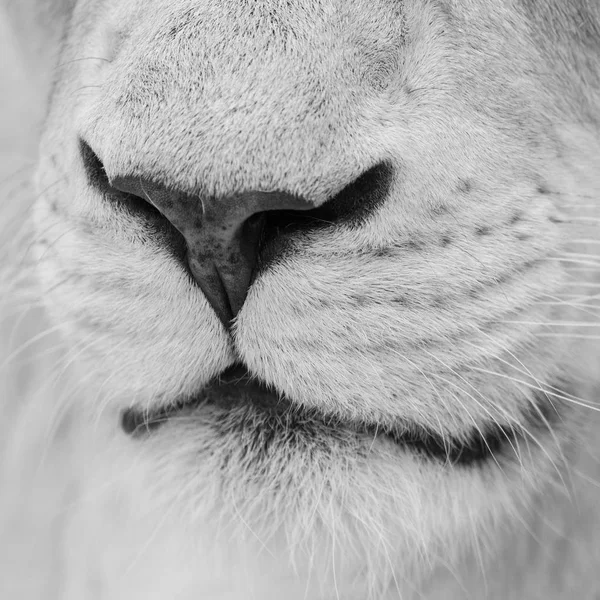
x=222, y=235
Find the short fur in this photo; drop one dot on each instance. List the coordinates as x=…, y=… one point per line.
x=468, y=297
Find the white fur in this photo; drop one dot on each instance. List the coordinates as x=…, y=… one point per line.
x=475, y=282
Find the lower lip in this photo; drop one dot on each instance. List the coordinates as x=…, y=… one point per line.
x=236, y=385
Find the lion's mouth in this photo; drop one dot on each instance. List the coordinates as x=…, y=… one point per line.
x=235, y=386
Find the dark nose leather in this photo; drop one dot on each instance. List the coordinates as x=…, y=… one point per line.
x=222, y=235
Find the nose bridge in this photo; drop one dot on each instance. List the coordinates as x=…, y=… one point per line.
x=216, y=108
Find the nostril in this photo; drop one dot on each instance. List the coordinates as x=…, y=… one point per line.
x=351, y=206
x=358, y=200
x=128, y=199
x=94, y=169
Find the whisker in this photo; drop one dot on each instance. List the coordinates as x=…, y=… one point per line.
x=560, y=396
x=76, y=60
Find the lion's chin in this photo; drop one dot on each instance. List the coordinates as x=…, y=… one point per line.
x=271, y=415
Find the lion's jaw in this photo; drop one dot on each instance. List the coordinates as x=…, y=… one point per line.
x=428, y=313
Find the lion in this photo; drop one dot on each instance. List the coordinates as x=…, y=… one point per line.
x=302, y=299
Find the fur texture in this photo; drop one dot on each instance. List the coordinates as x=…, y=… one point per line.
x=467, y=298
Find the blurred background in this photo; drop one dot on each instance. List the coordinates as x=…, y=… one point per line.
x=34, y=483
